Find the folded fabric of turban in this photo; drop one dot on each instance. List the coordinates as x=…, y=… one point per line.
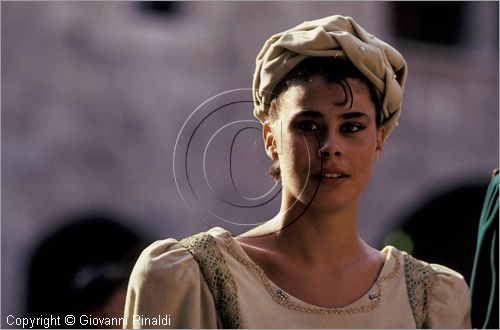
x=339, y=37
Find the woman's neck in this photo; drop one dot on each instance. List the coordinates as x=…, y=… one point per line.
x=314, y=237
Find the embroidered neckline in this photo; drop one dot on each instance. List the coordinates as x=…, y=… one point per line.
x=280, y=296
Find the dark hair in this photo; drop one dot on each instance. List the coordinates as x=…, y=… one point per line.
x=333, y=70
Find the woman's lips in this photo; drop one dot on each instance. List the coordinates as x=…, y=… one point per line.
x=333, y=177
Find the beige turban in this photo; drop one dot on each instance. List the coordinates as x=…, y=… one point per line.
x=335, y=36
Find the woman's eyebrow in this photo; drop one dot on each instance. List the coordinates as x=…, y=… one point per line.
x=310, y=114
x=350, y=115
x=319, y=115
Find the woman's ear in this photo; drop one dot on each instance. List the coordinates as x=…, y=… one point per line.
x=269, y=141
x=380, y=142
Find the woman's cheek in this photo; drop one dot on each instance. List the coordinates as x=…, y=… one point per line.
x=299, y=153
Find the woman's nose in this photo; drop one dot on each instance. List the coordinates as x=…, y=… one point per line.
x=330, y=148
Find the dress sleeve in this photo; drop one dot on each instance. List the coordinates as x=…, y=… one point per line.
x=450, y=302
x=167, y=290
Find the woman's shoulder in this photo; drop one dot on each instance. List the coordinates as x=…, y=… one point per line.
x=450, y=301
x=166, y=278
x=166, y=255
x=447, y=279
x=437, y=291
x=441, y=275
x=162, y=255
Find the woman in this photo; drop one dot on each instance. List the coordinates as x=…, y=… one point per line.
x=328, y=94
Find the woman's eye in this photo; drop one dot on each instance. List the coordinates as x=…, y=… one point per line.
x=307, y=126
x=351, y=128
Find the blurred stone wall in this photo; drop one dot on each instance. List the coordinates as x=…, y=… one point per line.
x=95, y=93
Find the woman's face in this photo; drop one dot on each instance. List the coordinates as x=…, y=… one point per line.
x=310, y=119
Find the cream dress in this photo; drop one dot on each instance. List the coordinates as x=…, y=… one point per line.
x=167, y=283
